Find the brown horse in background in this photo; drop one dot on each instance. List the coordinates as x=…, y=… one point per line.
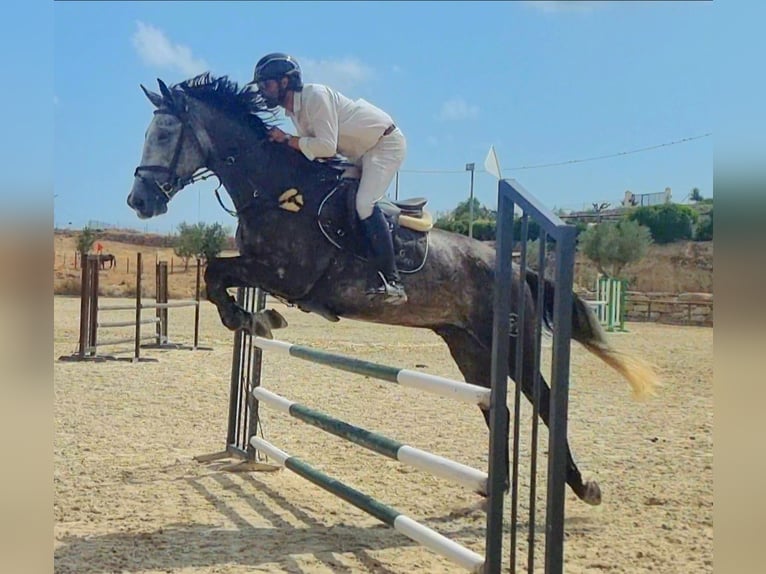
x=104, y=258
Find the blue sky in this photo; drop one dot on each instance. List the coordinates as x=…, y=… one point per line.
x=543, y=82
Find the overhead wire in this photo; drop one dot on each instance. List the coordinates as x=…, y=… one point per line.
x=570, y=161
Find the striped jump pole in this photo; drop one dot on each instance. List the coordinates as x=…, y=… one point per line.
x=391, y=517
x=612, y=293
x=442, y=386
x=466, y=476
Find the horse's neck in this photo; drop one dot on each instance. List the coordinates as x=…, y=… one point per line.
x=241, y=161
x=252, y=169
x=269, y=169
x=257, y=164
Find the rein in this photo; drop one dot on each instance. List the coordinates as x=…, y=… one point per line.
x=232, y=212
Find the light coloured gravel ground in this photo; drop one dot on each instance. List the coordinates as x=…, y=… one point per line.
x=130, y=498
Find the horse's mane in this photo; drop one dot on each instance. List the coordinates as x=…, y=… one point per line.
x=245, y=106
x=242, y=104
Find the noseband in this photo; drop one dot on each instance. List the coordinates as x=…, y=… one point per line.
x=173, y=183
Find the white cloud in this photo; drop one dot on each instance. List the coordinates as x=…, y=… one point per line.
x=551, y=6
x=458, y=109
x=155, y=49
x=342, y=75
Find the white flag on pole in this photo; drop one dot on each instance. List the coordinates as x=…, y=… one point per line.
x=491, y=164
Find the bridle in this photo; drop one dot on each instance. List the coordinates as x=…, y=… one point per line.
x=172, y=184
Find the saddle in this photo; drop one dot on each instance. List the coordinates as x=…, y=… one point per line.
x=408, y=221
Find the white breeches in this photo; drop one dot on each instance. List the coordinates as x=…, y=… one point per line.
x=379, y=165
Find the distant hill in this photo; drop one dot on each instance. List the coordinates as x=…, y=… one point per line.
x=131, y=237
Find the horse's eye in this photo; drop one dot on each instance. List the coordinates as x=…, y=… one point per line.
x=167, y=187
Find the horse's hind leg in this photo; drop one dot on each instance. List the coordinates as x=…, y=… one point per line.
x=225, y=272
x=475, y=363
x=588, y=492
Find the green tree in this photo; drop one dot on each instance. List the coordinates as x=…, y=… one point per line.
x=580, y=226
x=188, y=242
x=668, y=222
x=456, y=221
x=533, y=229
x=447, y=223
x=463, y=211
x=213, y=241
x=613, y=245
x=484, y=230
x=85, y=241
x=199, y=240
x=696, y=195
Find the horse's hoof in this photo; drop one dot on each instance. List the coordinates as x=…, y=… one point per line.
x=275, y=319
x=592, y=493
x=262, y=330
x=264, y=321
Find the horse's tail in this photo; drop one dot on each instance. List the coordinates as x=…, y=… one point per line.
x=587, y=331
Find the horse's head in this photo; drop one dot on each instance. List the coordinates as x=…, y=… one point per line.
x=174, y=149
x=209, y=122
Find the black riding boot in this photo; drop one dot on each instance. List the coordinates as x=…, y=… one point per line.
x=382, y=250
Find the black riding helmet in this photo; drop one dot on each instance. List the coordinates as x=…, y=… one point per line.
x=275, y=66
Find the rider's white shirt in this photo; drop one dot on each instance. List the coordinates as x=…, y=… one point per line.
x=328, y=122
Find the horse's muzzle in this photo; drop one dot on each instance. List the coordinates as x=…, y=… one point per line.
x=146, y=202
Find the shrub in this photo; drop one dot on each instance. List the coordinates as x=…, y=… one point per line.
x=705, y=228
x=484, y=230
x=668, y=222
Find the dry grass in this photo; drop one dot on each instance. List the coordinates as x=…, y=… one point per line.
x=120, y=281
x=676, y=268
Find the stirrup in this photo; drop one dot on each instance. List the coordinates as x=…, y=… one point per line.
x=391, y=291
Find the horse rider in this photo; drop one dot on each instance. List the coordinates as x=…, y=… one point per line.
x=327, y=123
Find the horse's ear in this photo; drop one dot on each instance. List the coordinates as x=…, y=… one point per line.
x=174, y=100
x=165, y=91
x=155, y=98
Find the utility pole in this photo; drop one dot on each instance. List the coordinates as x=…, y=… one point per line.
x=470, y=167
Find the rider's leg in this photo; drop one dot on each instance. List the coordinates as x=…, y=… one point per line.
x=379, y=165
x=382, y=250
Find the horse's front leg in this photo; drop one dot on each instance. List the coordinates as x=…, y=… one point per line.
x=222, y=273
